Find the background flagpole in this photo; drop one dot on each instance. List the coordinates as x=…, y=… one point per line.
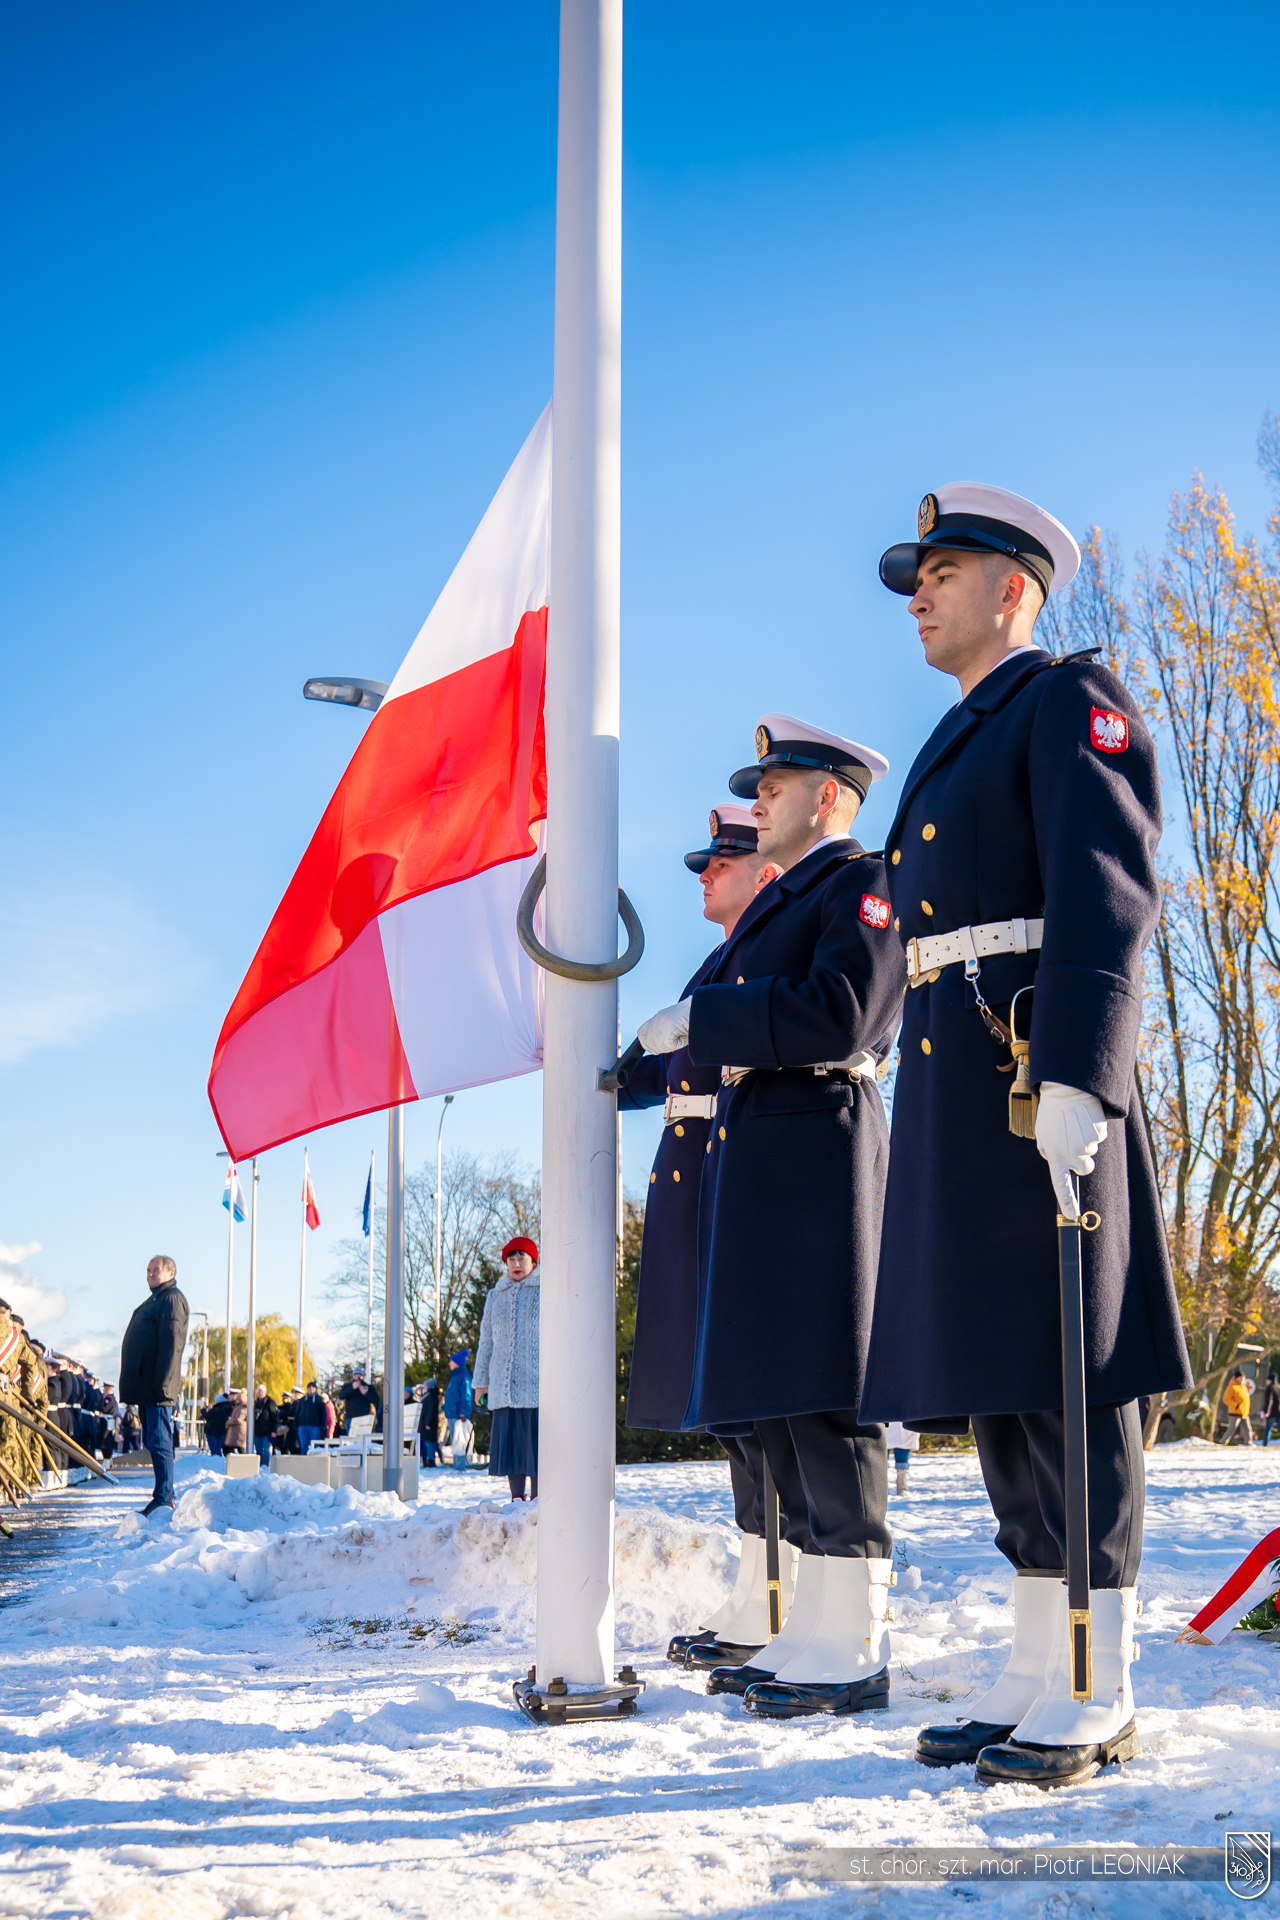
x=368, y=1331
x=302, y=1262
x=251, y=1348
x=576, y=1430
x=393, y=1337
x=231, y=1241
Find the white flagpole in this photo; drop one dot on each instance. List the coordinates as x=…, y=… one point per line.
x=302, y=1265
x=393, y=1333
x=579, y=1247
x=368, y=1331
x=251, y=1346
x=231, y=1241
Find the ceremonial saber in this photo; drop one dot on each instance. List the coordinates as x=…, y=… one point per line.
x=1076, y=1471
x=60, y=1440
x=772, y=1557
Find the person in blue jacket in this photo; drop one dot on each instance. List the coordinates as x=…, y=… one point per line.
x=798, y=1013
x=458, y=1401
x=731, y=872
x=1022, y=855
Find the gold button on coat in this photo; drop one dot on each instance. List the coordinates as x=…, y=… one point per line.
x=927, y=833
x=741, y=981
x=926, y=908
x=896, y=923
x=684, y=1086
x=676, y=1174
x=679, y=1131
x=897, y=855
x=652, y=1178
x=722, y=1133
x=708, y=1146
x=924, y=1048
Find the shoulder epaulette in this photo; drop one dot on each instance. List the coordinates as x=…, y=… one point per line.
x=1084, y=653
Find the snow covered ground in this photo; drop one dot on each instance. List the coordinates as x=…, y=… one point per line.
x=293, y=1702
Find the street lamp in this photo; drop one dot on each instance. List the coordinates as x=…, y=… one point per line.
x=448, y=1102
x=346, y=693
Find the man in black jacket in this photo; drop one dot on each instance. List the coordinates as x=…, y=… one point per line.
x=151, y=1369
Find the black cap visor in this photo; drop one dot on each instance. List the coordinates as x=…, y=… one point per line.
x=745, y=783
x=723, y=847
x=967, y=533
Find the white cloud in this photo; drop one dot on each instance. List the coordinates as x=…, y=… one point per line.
x=72, y=959
x=26, y=1292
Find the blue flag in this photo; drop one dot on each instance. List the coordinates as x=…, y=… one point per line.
x=232, y=1196
x=368, y=1200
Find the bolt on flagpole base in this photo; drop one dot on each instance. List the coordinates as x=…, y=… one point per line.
x=563, y=1703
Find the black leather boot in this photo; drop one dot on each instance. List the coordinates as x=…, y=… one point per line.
x=959, y=1744
x=720, y=1653
x=788, y=1699
x=1017, y=1763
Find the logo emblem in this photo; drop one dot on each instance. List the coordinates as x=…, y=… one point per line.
x=714, y=823
x=762, y=742
x=874, y=912
x=1248, y=1864
x=926, y=515
x=1109, y=732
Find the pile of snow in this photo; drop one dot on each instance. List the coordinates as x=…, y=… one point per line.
x=272, y=1541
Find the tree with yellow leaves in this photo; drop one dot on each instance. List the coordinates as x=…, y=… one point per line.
x=1198, y=647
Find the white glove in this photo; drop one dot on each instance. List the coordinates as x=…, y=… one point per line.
x=1069, y=1130
x=667, y=1030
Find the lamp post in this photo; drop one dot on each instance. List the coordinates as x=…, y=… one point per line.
x=448, y=1102
x=251, y=1345
x=345, y=691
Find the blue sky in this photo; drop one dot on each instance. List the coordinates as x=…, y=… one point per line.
x=278, y=316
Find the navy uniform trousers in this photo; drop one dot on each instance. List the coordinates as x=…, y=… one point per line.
x=789, y=1209
x=1036, y=798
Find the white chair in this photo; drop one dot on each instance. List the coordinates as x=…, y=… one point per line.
x=364, y=1444
x=361, y=1427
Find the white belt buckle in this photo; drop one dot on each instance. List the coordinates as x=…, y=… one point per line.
x=913, y=959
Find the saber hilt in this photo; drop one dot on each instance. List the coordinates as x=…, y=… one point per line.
x=613, y=1079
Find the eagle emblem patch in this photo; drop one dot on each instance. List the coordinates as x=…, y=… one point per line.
x=1108, y=732
x=874, y=912
x=762, y=742
x=926, y=515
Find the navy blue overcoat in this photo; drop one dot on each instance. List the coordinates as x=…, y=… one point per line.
x=667, y=1298
x=1037, y=797
x=792, y=1190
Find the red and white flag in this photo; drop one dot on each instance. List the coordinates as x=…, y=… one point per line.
x=1252, y=1581
x=391, y=970
x=310, y=1208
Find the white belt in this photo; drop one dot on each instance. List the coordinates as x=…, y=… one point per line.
x=689, y=1106
x=970, y=944
x=859, y=1066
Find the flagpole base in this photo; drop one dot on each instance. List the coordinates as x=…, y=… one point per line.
x=563, y=1703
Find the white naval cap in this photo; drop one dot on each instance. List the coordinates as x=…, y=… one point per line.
x=981, y=519
x=733, y=831
x=784, y=741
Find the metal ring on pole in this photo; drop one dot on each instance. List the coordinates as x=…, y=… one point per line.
x=576, y=969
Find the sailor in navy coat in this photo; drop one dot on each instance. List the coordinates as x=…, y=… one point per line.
x=797, y=1013
x=667, y=1299
x=1023, y=854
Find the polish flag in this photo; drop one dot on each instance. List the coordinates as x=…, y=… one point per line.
x=1255, y=1578
x=309, y=1201
x=391, y=970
